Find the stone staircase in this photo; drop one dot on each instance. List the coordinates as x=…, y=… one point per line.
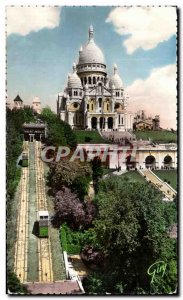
x=168, y=192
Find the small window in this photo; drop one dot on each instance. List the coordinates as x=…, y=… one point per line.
x=75, y=105
x=92, y=106
x=119, y=119
x=107, y=106
x=89, y=80
x=94, y=80
x=100, y=102
x=87, y=106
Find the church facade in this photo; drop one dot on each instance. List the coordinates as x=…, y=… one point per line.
x=92, y=100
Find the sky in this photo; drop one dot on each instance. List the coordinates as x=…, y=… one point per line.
x=43, y=43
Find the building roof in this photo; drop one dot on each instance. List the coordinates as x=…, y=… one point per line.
x=33, y=125
x=43, y=213
x=57, y=288
x=115, y=80
x=73, y=79
x=91, y=53
x=18, y=99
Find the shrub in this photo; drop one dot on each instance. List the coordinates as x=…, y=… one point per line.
x=88, y=139
x=73, y=249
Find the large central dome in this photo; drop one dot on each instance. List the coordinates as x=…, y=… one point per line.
x=91, y=53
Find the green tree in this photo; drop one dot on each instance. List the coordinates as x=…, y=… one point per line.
x=64, y=173
x=14, y=285
x=132, y=231
x=80, y=186
x=59, y=133
x=97, y=172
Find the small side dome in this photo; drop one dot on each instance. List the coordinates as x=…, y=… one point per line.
x=116, y=79
x=74, y=81
x=36, y=100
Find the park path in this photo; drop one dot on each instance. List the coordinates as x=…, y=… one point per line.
x=168, y=192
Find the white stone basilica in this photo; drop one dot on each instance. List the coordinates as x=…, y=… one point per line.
x=91, y=100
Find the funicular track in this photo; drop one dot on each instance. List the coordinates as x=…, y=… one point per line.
x=21, y=245
x=44, y=247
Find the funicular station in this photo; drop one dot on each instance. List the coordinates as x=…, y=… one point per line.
x=34, y=131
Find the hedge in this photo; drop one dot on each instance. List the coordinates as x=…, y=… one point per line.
x=69, y=248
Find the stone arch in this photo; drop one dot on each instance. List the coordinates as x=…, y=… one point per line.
x=102, y=122
x=168, y=161
x=110, y=123
x=100, y=102
x=94, y=122
x=150, y=161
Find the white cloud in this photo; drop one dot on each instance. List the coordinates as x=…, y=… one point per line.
x=147, y=26
x=23, y=20
x=156, y=95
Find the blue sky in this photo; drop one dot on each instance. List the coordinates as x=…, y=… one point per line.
x=39, y=60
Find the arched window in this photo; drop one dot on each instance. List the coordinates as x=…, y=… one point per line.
x=87, y=106
x=100, y=102
x=119, y=119
x=85, y=80
x=98, y=78
x=89, y=80
x=122, y=120
x=107, y=106
x=82, y=81
x=94, y=80
x=92, y=106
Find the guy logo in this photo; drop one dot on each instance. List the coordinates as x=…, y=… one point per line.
x=159, y=268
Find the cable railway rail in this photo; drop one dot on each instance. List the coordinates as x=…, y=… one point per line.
x=21, y=244
x=44, y=247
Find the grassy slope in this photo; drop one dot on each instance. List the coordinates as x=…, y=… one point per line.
x=95, y=137
x=135, y=176
x=169, y=175
x=157, y=136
